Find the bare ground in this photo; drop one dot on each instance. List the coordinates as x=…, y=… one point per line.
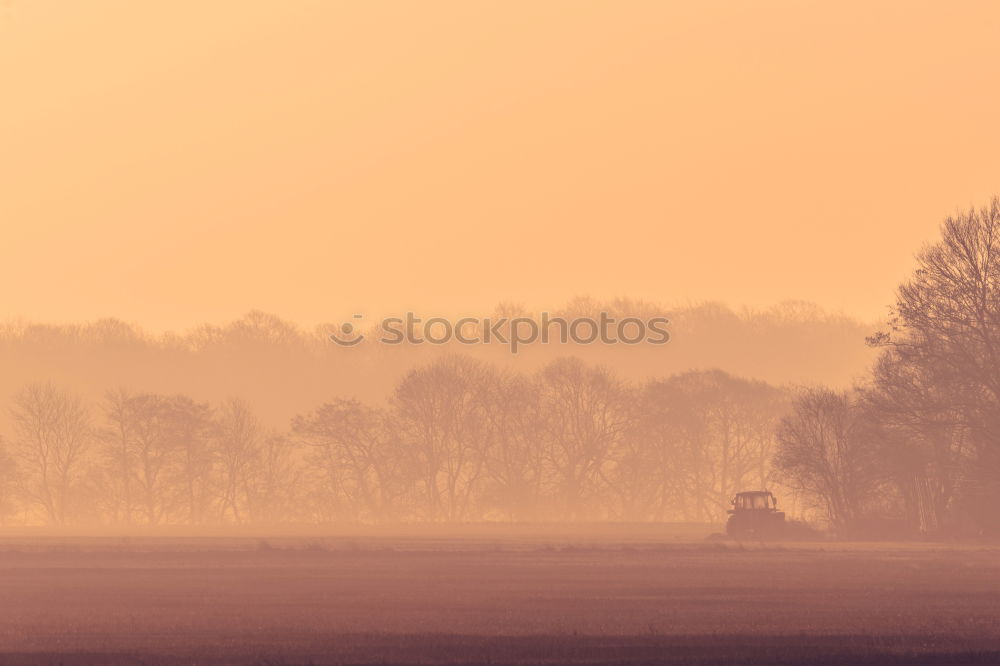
x=494, y=596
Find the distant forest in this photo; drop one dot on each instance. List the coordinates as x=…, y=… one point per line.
x=281, y=369
x=258, y=422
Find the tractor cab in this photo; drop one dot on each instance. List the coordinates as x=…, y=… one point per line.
x=755, y=500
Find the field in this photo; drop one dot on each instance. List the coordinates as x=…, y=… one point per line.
x=542, y=594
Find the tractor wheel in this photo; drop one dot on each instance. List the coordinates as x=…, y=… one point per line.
x=737, y=528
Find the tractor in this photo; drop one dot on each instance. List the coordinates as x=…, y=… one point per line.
x=755, y=515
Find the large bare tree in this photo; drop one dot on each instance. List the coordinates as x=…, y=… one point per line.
x=937, y=384
x=442, y=411
x=54, y=438
x=514, y=458
x=585, y=414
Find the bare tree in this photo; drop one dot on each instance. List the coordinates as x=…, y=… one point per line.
x=240, y=435
x=54, y=437
x=192, y=428
x=938, y=381
x=357, y=456
x=273, y=485
x=825, y=453
x=514, y=459
x=653, y=463
x=925, y=438
x=154, y=453
x=116, y=479
x=441, y=408
x=585, y=415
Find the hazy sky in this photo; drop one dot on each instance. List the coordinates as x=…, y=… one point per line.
x=184, y=161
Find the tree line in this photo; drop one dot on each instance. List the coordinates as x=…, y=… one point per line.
x=459, y=439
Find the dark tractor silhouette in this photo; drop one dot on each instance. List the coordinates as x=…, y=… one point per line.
x=755, y=515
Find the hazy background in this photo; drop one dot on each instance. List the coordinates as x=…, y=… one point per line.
x=177, y=163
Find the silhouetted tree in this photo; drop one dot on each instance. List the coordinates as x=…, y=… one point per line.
x=153, y=452
x=648, y=477
x=115, y=481
x=239, y=437
x=273, y=485
x=824, y=454
x=442, y=411
x=938, y=381
x=192, y=430
x=585, y=413
x=514, y=459
x=54, y=437
x=358, y=463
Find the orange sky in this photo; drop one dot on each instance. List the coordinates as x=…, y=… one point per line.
x=176, y=162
